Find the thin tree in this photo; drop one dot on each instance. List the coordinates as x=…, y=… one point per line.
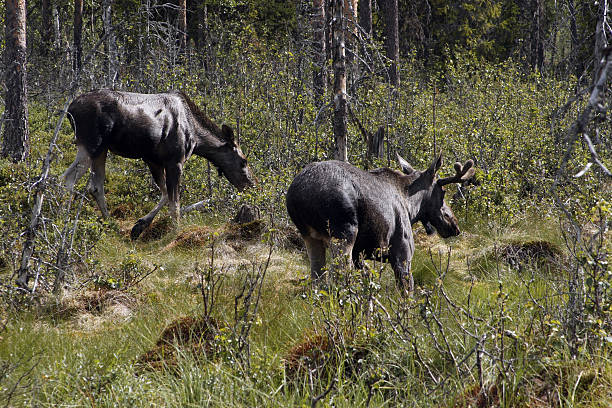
x=391, y=32
x=537, y=40
x=365, y=16
x=111, y=43
x=339, y=97
x=77, y=30
x=318, y=45
x=46, y=26
x=15, y=137
x=182, y=25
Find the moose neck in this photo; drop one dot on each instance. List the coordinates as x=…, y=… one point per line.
x=414, y=205
x=209, y=146
x=402, y=183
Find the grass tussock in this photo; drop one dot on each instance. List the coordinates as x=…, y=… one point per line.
x=192, y=237
x=158, y=228
x=195, y=335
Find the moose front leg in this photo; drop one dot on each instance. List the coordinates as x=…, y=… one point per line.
x=77, y=169
x=400, y=257
x=173, y=177
x=159, y=176
x=96, y=185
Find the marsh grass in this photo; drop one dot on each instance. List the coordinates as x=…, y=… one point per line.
x=73, y=359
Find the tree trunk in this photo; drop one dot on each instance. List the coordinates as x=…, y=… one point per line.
x=57, y=34
x=376, y=144
x=111, y=43
x=340, y=107
x=199, y=40
x=390, y=13
x=78, y=35
x=46, y=27
x=318, y=45
x=575, y=50
x=537, y=42
x=350, y=37
x=602, y=33
x=15, y=137
x=365, y=16
x=182, y=26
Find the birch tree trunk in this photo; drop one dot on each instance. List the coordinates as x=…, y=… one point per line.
x=182, y=26
x=340, y=107
x=15, y=136
x=111, y=43
x=318, y=45
x=77, y=35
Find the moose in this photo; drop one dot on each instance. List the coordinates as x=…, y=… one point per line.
x=369, y=214
x=163, y=130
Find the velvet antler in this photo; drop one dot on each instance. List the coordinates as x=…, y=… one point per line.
x=462, y=173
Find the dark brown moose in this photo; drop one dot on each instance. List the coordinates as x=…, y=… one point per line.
x=369, y=214
x=162, y=129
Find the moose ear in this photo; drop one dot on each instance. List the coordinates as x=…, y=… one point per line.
x=228, y=133
x=406, y=168
x=435, y=166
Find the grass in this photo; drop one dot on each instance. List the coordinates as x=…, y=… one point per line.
x=67, y=353
x=83, y=348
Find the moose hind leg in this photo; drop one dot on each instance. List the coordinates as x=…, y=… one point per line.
x=77, y=169
x=316, y=254
x=159, y=176
x=96, y=186
x=342, y=248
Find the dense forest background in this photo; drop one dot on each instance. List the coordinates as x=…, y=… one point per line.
x=516, y=311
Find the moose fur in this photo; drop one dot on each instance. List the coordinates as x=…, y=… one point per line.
x=369, y=214
x=163, y=130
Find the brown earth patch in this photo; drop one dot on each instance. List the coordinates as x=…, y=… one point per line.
x=158, y=228
x=95, y=302
x=192, y=334
x=122, y=211
x=477, y=397
x=316, y=353
x=194, y=237
x=247, y=231
x=518, y=254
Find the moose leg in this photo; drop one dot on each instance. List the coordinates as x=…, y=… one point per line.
x=159, y=176
x=341, y=249
x=316, y=254
x=96, y=185
x=78, y=167
x=173, y=178
x=400, y=257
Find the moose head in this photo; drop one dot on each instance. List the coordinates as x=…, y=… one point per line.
x=428, y=194
x=232, y=163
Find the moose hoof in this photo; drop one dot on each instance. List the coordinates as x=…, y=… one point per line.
x=137, y=229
